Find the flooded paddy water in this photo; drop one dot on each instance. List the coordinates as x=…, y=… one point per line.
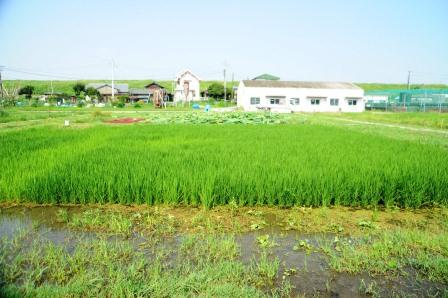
x=276, y=261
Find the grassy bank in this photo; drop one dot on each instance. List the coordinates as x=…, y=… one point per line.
x=210, y=165
x=42, y=87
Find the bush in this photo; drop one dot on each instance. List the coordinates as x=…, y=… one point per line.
x=80, y=104
x=137, y=105
x=120, y=104
x=123, y=98
x=78, y=88
x=27, y=91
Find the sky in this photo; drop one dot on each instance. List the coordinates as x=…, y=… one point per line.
x=319, y=40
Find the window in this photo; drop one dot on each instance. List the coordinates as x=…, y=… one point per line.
x=275, y=101
x=315, y=101
x=294, y=101
x=352, y=102
x=254, y=100
x=334, y=102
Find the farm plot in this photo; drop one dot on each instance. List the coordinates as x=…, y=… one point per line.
x=211, y=165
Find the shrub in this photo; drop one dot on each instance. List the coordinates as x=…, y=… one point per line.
x=27, y=91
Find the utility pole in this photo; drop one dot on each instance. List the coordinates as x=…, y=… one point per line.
x=225, y=86
x=409, y=87
x=409, y=79
x=113, y=79
x=233, y=85
x=1, y=82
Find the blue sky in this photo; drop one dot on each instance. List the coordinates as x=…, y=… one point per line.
x=352, y=40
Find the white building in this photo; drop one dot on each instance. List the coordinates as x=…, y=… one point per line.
x=376, y=98
x=293, y=96
x=187, y=87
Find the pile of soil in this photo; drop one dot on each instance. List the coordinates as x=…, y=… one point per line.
x=125, y=120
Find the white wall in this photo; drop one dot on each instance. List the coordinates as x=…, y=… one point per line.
x=265, y=94
x=376, y=98
x=195, y=91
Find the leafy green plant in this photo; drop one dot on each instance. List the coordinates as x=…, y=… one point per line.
x=265, y=241
x=303, y=245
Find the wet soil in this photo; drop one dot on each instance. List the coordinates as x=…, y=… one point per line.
x=307, y=270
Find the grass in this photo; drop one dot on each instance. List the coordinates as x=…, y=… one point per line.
x=104, y=268
x=423, y=119
x=206, y=165
x=393, y=252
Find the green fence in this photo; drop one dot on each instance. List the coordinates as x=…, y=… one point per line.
x=420, y=100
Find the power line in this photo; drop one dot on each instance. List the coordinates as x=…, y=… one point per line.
x=40, y=74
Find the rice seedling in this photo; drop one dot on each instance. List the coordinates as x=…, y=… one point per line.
x=210, y=165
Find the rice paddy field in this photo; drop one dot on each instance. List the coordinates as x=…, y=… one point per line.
x=250, y=162
x=139, y=203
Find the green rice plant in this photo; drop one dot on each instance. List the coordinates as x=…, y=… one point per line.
x=209, y=165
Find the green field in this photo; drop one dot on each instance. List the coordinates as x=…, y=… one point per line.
x=222, y=204
x=66, y=86
x=299, y=163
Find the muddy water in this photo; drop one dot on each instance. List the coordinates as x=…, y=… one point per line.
x=308, y=271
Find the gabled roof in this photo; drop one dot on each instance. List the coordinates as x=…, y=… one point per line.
x=267, y=77
x=299, y=85
x=123, y=88
x=154, y=83
x=184, y=72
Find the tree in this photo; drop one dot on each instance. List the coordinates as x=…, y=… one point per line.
x=27, y=91
x=92, y=92
x=78, y=88
x=216, y=90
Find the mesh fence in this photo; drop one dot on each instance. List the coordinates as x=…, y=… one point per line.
x=408, y=100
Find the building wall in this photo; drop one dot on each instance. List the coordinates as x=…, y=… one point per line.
x=376, y=98
x=195, y=91
x=106, y=90
x=305, y=96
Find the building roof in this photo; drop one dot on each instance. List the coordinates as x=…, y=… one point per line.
x=299, y=84
x=154, y=83
x=123, y=88
x=135, y=91
x=267, y=77
x=184, y=72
